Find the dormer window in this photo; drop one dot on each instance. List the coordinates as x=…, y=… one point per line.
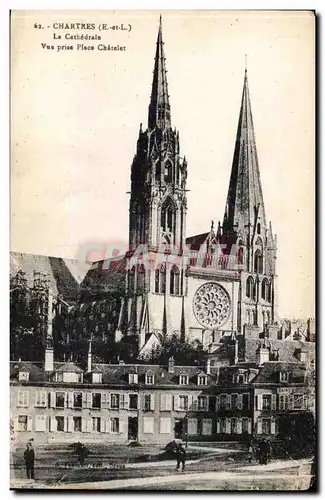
x=284, y=376
x=149, y=379
x=133, y=378
x=183, y=379
x=97, y=378
x=23, y=376
x=202, y=380
x=239, y=378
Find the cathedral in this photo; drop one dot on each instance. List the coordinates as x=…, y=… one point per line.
x=207, y=286
x=217, y=287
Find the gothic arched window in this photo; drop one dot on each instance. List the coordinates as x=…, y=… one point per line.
x=167, y=218
x=158, y=171
x=174, y=281
x=168, y=172
x=157, y=280
x=240, y=256
x=141, y=278
x=250, y=288
x=258, y=262
x=162, y=279
x=265, y=289
x=131, y=279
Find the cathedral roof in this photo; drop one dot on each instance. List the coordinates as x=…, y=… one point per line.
x=159, y=108
x=195, y=242
x=244, y=199
x=64, y=275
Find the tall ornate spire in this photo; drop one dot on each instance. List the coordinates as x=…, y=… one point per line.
x=159, y=108
x=245, y=199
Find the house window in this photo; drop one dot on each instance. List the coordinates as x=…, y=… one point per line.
x=22, y=422
x=133, y=378
x=183, y=403
x=284, y=376
x=266, y=402
x=202, y=380
x=283, y=402
x=41, y=399
x=147, y=402
x=149, y=379
x=77, y=400
x=96, y=424
x=59, y=377
x=174, y=281
x=202, y=403
x=223, y=401
x=97, y=397
x=115, y=401
x=22, y=399
x=23, y=376
x=183, y=379
x=59, y=424
x=245, y=401
x=77, y=424
x=266, y=426
x=298, y=401
x=233, y=425
x=133, y=402
x=97, y=378
x=223, y=427
x=115, y=425
x=240, y=379
x=244, y=425
x=59, y=399
x=234, y=401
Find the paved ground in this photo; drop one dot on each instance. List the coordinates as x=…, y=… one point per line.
x=281, y=475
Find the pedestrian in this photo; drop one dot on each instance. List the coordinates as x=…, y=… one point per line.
x=180, y=457
x=268, y=451
x=250, y=453
x=82, y=451
x=29, y=457
x=262, y=453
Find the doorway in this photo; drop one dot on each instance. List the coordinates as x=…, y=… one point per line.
x=133, y=428
x=179, y=428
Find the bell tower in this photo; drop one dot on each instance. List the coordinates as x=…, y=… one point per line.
x=158, y=173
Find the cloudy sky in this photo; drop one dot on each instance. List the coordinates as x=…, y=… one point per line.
x=76, y=116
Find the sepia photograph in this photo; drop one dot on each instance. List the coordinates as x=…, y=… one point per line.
x=162, y=250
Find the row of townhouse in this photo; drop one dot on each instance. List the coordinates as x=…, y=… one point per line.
x=152, y=403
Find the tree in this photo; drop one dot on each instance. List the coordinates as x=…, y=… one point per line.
x=184, y=352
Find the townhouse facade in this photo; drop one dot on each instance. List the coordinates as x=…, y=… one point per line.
x=153, y=403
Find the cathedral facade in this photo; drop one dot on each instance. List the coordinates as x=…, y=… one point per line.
x=221, y=282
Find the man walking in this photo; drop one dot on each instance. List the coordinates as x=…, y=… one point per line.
x=180, y=457
x=29, y=457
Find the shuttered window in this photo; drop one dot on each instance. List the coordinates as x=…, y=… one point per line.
x=165, y=425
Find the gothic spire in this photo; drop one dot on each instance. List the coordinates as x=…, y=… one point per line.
x=159, y=108
x=245, y=199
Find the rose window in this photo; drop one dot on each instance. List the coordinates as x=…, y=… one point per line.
x=211, y=305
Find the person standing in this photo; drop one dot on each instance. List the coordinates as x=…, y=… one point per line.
x=180, y=457
x=250, y=453
x=262, y=454
x=29, y=457
x=268, y=451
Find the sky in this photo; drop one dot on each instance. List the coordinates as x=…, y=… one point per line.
x=75, y=117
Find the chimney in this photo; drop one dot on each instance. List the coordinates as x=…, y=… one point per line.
x=89, y=364
x=171, y=365
x=208, y=367
x=49, y=359
x=262, y=354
